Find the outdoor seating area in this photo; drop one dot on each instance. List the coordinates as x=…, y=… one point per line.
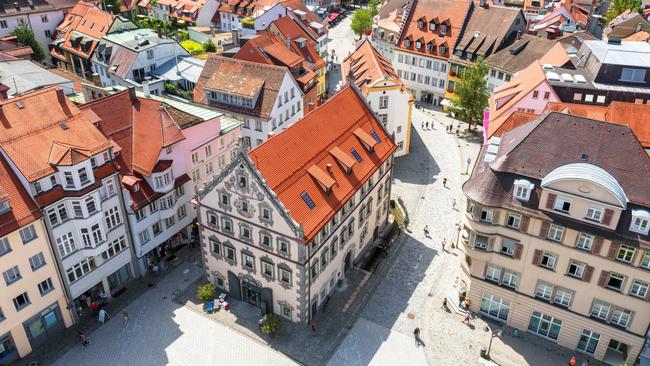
x=220, y=303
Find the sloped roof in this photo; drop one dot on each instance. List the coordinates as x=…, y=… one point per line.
x=239, y=77
x=268, y=49
x=488, y=28
x=625, y=25
x=284, y=160
x=43, y=125
x=7, y=7
x=450, y=12
x=82, y=28
x=609, y=146
x=22, y=76
x=23, y=209
x=521, y=53
x=289, y=29
x=365, y=63
x=641, y=36
x=141, y=127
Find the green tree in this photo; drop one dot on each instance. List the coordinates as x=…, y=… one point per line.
x=361, y=21
x=205, y=292
x=25, y=36
x=113, y=6
x=209, y=46
x=619, y=6
x=373, y=7
x=272, y=324
x=471, y=95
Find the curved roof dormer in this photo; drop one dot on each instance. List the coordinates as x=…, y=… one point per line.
x=589, y=173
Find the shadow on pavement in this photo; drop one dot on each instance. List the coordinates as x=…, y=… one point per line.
x=418, y=167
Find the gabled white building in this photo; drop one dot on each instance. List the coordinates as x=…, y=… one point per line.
x=160, y=147
x=282, y=223
x=264, y=98
x=129, y=58
x=69, y=168
x=383, y=89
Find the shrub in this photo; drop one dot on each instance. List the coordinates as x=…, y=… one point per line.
x=205, y=292
x=272, y=325
x=209, y=46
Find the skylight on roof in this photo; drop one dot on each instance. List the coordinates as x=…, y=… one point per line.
x=356, y=155
x=308, y=201
x=374, y=136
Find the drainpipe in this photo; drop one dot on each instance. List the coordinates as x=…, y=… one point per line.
x=309, y=285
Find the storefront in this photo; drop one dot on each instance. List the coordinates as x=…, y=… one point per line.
x=118, y=279
x=8, y=352
x=82, y=302
x=44, y=325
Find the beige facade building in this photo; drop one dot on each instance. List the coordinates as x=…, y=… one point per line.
x=555, y=235
x=33, y=305
x=282, y=223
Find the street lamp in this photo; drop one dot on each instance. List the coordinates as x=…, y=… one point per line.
x=469, y=161
x=495, y=334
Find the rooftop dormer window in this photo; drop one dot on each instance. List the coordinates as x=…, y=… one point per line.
x=640, y=222
x=522, y=189
x=442, y=50
x=407, y=42
x=443, y=29
x=432, y=26
x=418, y=45
x=431, y=47
x=420, y=24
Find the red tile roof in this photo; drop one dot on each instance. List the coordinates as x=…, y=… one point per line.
x=23, y=209
x=453, y=13
x=81, y=29
x=41, y=127
x=141, y=127
x=294, y=161
x=364, y=64
x=288, y=29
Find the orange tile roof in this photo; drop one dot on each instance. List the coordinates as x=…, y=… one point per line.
x=641, y=36
x=23, y=209
x=509, y=94
x=239, y=77
x=364, y=64
x=86, y=24
x=141, y=127
x=43, y=126
x=268, y=49
x=285, y=161
x=556, y=56
x=515, y=119
x=450, y=12
x=286, y=28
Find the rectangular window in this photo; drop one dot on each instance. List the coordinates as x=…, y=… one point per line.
x=21, y=301
x=621, y=317
x=639, y=289
x=4, y=246
x=585, y=241
x=12, y=275
x=493, y=273
x=544, y=325
x=645, y=260
x=28, y=234
x=514, y=220
x=45, y=287
x=544, y=291
x=563, y=205
x=588, y=341
x=283, y=247
x=248, y=261
x=486, y=214
x=594, y=213
x=90, y=205
x=83, y=176
x=555, y=232
x=633, y=75
x=37, y=261
x=112, y=217
x=144, y=236
x=508, y=247
x=267, y=269
x=548, y=260
x=625, y=254
x=285, y=276
x=383, y=102
x=563, y=296
x=69, y=181
x=616, y=281
x=600, y=310
x=510, y=279
x=495, y=307
x=576, y=269
x=230, y=253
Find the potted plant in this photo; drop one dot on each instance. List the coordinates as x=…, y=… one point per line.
x=272, y=325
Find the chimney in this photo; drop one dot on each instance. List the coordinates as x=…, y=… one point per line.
x=132, y=95
x=63, y=102
x=145, y=88
x=638, y=27
x=4, y=92
x=159, y=31
x=368, y=79
x=329, y=169
x=212, y=30
x=235, y=38
x=270, y=135
x=518, y=35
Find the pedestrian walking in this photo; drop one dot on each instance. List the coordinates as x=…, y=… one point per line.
x=94, y=307
x=453, y=204
x=313, y=328
x=585, y=363
x=423, y=125
x=82, y=339
x=103, y=316
x=418, y=341
x=468, y=317
x=426, y=230
x=573, y=361
x=444, y=304
x=427, y=124
x=125, y=315
x=444, y=182
x=444, y=242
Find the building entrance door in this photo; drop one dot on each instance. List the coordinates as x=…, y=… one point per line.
x=348, y=261
x=250, y=292
x=426, y=97
x=40, y=327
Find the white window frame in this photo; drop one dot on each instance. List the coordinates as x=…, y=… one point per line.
x=594, y=213
x=639, y=289
x=544, y=290
x=585, y=241
x=552, y=260
x=555, y=233
x=559, y=204
x=516, y=220
x=522, y=189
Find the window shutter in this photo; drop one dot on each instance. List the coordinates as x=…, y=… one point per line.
x=543, y=231
x=603, y=278
x=519, y=248
x=477, y=212
x=647, y=297
x=607, y=217
x=495, y=216
x=597, y=245
x=490, y=246
x=550, y=200
x=613, y=250
x=523, y=226
x=589, y=271
x=537, y=256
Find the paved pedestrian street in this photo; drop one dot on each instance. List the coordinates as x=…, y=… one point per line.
x=162, y=332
